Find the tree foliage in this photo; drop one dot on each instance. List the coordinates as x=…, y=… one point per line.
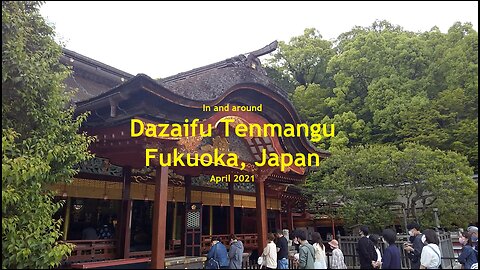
x=367, y=182
x=388, y=85
x=302, y=61
x=40, y=143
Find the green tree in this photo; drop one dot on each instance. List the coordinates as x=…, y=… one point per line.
x=351, y=130
x=347, y=178
x=303, y=61
x=282, y=80
x=40, y=143
x=384, y=85
x=368, y=181
x=399, y=86
x=306, y=100
x=436, y=178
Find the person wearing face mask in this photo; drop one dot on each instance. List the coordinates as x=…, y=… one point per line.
x=469, y=256
x=431, y=254
x=338, y=260
x=473, y=230
x=366, y=251
x=414, y=248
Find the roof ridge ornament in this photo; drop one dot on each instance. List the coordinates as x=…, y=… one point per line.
x=248, y=59
x=252, y=57
x=265, y=50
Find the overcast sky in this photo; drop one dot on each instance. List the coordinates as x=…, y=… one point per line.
x=165, y=38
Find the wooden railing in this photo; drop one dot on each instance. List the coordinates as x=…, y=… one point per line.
x=174, y=249
x=140, y=254
x=146, y=254
x=249, y=241
x=133, y=263
x=92, y=250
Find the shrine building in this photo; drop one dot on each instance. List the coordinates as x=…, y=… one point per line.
x=157, y=212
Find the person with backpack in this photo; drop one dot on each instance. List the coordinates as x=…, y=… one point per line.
x=431, y=255
x=217, y=256
x=469, y=255
x=366, y=250
x=306, y=257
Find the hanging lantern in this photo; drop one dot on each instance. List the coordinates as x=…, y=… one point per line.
x=78, y=205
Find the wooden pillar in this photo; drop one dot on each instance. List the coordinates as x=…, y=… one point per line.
x=333, y=227
x=227, y=221
x=188, y=199
x=279, y=220
x=174, y=226
x=66, y=222
x=261, y=215
x=210, y=223
x=159, y=217
x=128, y=228
x=231, y=197
x=126, y=215
x=188, y=189
x=280, y=217
x=289, y=217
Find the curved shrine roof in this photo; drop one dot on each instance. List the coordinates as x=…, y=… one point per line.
x=238, y=79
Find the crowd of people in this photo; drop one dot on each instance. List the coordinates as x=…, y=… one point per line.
x=314, y=256
x=275, y=255
x=307, y=256
x=422, y=249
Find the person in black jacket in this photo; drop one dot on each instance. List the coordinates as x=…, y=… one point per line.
x=366, y=250
x=414, y=246
x=282, y=248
